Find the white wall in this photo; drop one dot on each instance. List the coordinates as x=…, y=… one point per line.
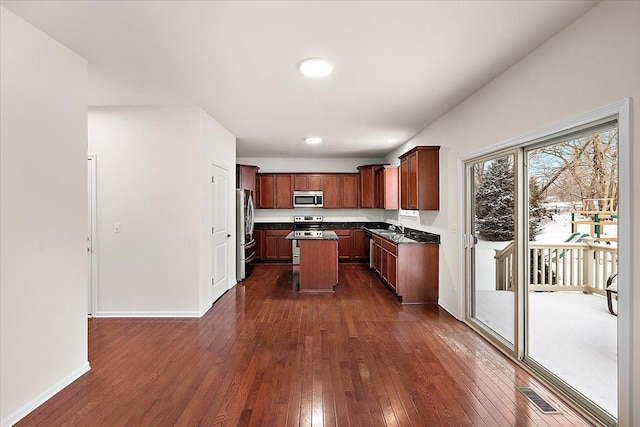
x=590, y=64
x=43, y=223
x=151, y=163
x=217, y=146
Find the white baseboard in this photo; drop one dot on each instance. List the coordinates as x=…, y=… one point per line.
x=145, y=314
x=43, y=397
x=452, y=312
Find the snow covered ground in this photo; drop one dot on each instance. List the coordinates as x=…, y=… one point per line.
x=570, y=333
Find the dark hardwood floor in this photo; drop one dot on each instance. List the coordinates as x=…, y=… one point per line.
x=265, y=355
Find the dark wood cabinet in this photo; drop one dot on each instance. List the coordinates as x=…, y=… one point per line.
x=360, y=245
x=386, y=186
x=410, y=270
x=420, y=179
x=276, y=247
x=378, y=187
x=367, y=186
x=307, y=182
x=341, y=191
x=284, y=191
x=350, y=191
x=246, y=177
x=332, y=191
x=345, y=245
x=266, y=191
x=275, y=191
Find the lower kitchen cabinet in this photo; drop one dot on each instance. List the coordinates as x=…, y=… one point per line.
x=353, y=245
x=360, y=245
x=345, y=245
x=410, y=270
x=276, y=247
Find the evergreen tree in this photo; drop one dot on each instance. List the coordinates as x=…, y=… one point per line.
x=536, y=210
x=495, y=201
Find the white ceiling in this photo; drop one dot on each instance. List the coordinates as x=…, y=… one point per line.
x=398, y=65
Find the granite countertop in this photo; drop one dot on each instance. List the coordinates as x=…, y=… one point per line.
x=325, y=225
x=380, y=229
x=409, y=236
x=326, y=235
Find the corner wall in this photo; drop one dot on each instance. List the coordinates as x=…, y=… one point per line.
x=43, y=217
x=217, y=146
x=592, y=63
x=147, y=185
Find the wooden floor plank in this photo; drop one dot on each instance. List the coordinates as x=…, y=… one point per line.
x=265, y=355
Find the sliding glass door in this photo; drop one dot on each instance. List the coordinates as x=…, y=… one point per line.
x=491, y=216
x=541, y=252
x=572, y=254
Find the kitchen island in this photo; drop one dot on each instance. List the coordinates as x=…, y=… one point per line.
x=318, y=271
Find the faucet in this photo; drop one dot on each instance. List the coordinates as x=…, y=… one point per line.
x=401, y=228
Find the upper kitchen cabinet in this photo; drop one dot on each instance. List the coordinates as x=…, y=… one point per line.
x=307, y=182
x=275, y=191
x=367, y=186
x=246, y=177
x=386, y=186
x=420, y=179
x=340, y=191
x=378, y=186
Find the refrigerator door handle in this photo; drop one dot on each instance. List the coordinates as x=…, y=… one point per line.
x=250, y=215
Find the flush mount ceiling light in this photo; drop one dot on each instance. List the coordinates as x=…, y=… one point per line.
x=315, y=67
x=313, y=140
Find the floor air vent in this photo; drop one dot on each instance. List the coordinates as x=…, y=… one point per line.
x=544, y=406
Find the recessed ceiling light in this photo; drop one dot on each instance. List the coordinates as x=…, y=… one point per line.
x=313, y=140
x=392, y=140
x=315, y=67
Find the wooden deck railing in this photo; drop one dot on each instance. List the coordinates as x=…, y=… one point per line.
x=583, y=266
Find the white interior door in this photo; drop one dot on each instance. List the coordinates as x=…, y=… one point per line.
x=220, y=232
x=91, y=236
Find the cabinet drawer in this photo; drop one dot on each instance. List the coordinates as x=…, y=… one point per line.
x=390, y=247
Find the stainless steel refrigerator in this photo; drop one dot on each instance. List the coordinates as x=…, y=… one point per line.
x=245, y=251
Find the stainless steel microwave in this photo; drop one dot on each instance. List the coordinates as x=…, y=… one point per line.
x=307, y=199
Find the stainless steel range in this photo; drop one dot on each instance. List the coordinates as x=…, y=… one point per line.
x=307, y=226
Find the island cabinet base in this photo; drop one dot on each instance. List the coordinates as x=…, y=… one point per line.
x=318, y=265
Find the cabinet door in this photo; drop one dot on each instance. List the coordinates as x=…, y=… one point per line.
x=384, y=255
x=284, y=191
x=315, y=182
x=404, y=184
x=345, y=245
x=367, y=187
x=350, y=196
x=284, y=247
x=392, y=269
x=377, y=257
x=271, y=246
x=333, y=191
x=246, y=177
x=300, y=182
x=412, y=199
x=267, y=191
x=360, y=245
